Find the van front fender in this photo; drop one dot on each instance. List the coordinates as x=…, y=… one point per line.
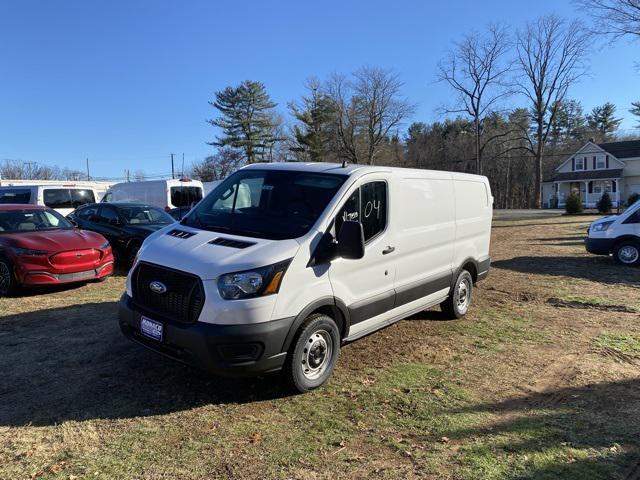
x=333, y=306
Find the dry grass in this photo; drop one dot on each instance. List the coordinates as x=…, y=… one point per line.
x=541, y=380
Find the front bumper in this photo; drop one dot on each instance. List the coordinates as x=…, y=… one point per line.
x=599, y=246
x=43, y=277
x=229, y=350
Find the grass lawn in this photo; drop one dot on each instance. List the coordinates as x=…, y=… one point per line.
x=540, y=381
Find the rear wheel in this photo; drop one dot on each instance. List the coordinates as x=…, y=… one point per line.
x=315, y=353
x=627, y=253
x=8, y=283
x=459, y=300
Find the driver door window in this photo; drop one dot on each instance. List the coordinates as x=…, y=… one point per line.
x=367, y=205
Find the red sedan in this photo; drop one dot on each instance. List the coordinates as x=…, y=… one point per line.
x=38, y=246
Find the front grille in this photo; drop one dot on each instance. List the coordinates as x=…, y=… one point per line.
x=183, y=299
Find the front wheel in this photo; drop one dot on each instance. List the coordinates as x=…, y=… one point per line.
x=314, y=354
x=459, y=300
x=627, y=253
x=8, y=283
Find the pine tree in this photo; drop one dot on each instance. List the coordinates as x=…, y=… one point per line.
x=246, y=119
x=316, y=115
x=635, y=110
x=603, y=122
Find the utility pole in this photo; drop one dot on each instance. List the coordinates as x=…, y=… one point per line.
x=173, y=172
x=30, y=171
x=88, y=175
x=182, y=164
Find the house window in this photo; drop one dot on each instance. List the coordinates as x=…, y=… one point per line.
x=601, y=162
x=601, y=186
x=580, y=163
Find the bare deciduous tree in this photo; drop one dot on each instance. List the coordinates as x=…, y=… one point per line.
x=617, y=18
x=377, y=94
x=476, y=69
x=551, y=57
x=369, y=106
x=339, y=89
x=218, y=166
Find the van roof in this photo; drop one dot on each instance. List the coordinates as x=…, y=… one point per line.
x=358, y=170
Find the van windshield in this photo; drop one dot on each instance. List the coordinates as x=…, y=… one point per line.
x=15, y=195
x=270, y=204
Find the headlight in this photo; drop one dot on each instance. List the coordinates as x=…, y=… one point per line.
x=601, y=227
x=252, y=283
x=29, y=252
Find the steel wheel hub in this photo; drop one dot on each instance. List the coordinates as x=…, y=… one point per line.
x=464, y=295
x=317, y=354
x=628, y=254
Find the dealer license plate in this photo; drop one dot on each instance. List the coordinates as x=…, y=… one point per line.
x=151, y=328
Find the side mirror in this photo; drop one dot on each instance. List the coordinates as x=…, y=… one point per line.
x=351, y=240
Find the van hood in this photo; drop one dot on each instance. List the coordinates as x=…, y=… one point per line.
x=193, y=252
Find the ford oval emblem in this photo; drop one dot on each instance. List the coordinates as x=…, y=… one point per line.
x=158, y=287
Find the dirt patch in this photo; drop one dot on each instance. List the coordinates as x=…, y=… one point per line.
x=559, y=302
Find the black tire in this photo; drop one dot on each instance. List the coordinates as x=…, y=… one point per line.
x=132, y=251
x=452, y=307
x=314, y=354
x=8, y=282
x=627, y=253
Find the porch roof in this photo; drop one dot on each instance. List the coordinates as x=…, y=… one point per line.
x=586, y=175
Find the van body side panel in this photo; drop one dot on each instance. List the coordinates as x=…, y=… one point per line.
x=425, y=233
x=473, y=220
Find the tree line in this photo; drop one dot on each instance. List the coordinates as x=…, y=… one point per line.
x=361, y=117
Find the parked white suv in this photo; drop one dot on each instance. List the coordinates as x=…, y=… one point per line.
x=618, y=235
x=282, y=263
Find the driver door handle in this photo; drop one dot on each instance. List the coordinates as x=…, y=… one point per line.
x=388, y=250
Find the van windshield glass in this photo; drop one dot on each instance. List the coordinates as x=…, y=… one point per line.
x=15, y=195
x=185, y=196
x=271, y=204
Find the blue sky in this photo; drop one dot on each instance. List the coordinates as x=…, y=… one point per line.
x=125, y=83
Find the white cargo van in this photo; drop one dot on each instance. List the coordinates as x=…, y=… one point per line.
x=283, y=263
x=63, y=198
x=617, y=235
x=165, y=194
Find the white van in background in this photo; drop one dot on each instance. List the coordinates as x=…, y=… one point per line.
x=167, y=194
x=617, y=235
x=63, y=197
x=283, y=263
